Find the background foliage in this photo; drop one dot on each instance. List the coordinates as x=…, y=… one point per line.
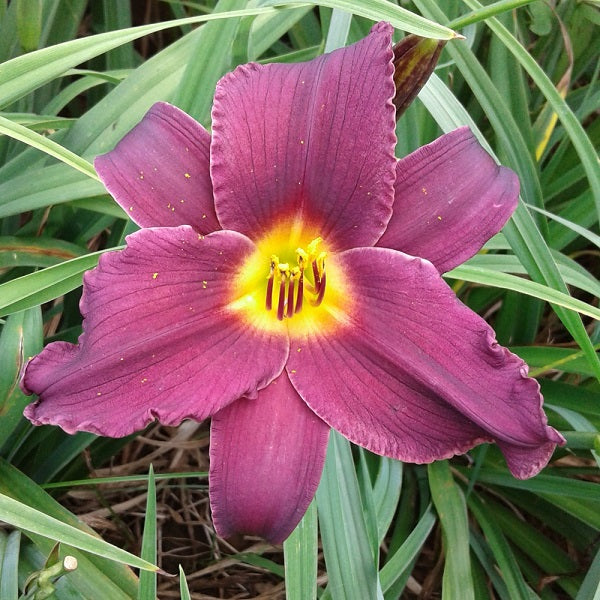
x=75, y=76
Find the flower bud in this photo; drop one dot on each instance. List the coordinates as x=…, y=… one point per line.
x=414, y=60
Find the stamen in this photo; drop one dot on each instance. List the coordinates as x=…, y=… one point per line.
x=281, y=303
x=269, y=298
x=284, y=274
x=300, y=292
x=270, y=280
x=321, y=292
x=316, y=277
x=290, y=295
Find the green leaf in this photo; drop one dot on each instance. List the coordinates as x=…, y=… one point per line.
x=346, y=544
x=147, y=589
x=33, y=289
x=581, y=142
x=23, y=134
x=24, y=74
x=380, y=10
x=21, y=338
x=29, y=23
x=29, y=519
x=590, y=589
x=457, y=583
x=300, y=552
x=35, y=252
x=9, y=565
x=184, y=591
x=507, y=562
x=524, y=286
x=208, y=66
x=397, y=564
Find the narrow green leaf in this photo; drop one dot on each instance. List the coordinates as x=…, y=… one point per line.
x=581, y=142
x=21, y=338
x=29, y=23
x=457, y=583
x=300, y=553
x=35, y=252
x=582, y=231
x=184, y=591
x=396, y=565
x=511, y=574
x=380, y=10
x=518, y=284
x=29, y=519
x=42, y=286
x=94, y=572
x=346, y=544
x=208, y=66
x=24, y=74
x=485, y=12
x=9, y=565
x=590, y=589
x=147, y=589
x=27, y=136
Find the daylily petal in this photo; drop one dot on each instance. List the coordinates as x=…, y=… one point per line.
x=266, y=459
x=310, y=143
x=158, y=341
x=159, y=172
x=451, y=197
x=414, y=374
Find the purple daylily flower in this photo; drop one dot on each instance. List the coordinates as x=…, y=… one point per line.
x=286, y=280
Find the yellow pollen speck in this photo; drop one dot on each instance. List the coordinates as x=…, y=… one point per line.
x=182, y=201
x=204, y=216
x=154, y=275
x=439, y=218
x=424, y=190
x=130, y=208
x=200, y=236
x=187, y=175
x=144, y=380
x=204, y=284
x=302, y=141
x=299, y=349
x=99, y=394
x=293, y=370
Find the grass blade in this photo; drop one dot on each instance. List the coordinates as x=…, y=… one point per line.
x=346, y=544
x=147, y=589
x=300, y=558
x=29, y=519
x=381, y=10
x=450, y=505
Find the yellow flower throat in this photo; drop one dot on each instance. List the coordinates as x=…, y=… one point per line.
x=285, y=284
x=291, y=281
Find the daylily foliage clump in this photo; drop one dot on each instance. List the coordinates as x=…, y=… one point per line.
x=286, y=280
